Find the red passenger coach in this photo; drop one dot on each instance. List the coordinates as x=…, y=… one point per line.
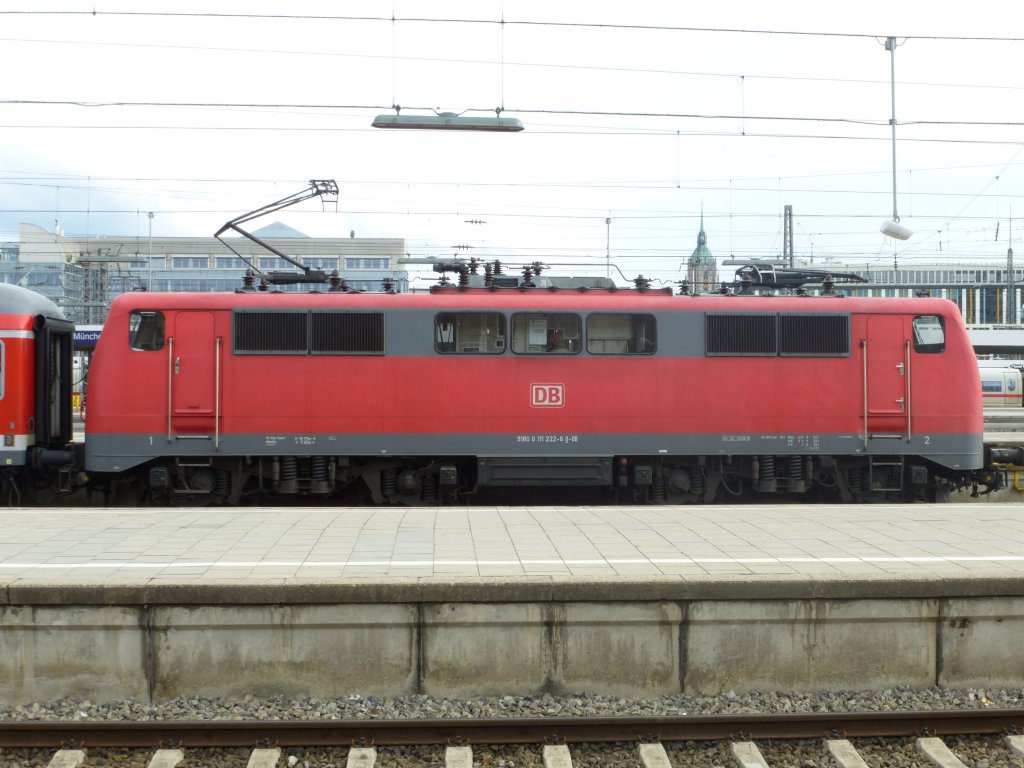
x=427, y=398
x=36, y=343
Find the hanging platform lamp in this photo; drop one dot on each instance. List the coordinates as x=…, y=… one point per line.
x=448, y=121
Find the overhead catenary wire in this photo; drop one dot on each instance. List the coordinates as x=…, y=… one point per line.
x=646, y=121
x=518, y=109
x=509, y=63
x=489, y=22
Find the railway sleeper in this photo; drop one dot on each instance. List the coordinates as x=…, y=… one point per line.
x=750, y=754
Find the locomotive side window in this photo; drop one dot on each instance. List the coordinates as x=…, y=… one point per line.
x=929, y=334
x=146, y=331
x=546, y=333
x=471, y=333
x=621, y=334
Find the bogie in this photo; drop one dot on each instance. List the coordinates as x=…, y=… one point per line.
x=637, y=479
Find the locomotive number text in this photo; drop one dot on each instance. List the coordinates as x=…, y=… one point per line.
x=547, y=438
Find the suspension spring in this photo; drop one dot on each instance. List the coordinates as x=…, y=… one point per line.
x=389, y=482
x=221, y=482
x=319, y=468
x=658, y=489
x=430, y=490
x=856, y=480
x=795, y=468
x=289, y=468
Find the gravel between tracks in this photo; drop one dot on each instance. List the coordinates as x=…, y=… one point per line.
x=387, y=707
x=982, y=752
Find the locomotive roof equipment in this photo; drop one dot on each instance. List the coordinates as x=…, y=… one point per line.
x=769, y=274
x=326, y=189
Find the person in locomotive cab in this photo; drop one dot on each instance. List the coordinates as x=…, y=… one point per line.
x=554, y=340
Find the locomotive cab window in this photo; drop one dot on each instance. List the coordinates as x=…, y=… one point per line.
x=469, y=333
x=929, y=334
x=146, y=331
x=546, y=333
x=621, y=334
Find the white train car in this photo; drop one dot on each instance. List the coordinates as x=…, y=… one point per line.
x=1002, y=387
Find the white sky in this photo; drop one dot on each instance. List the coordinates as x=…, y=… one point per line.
x=318, y=72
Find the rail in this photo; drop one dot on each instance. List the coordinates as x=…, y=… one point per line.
x=231, y=733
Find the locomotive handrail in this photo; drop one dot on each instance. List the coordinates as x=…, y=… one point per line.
x=216, y=393
x=864, y=373
x=170, y=374
x=906, y=356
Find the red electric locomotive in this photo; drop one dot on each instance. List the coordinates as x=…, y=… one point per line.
x=36, y=344
x=426, y=398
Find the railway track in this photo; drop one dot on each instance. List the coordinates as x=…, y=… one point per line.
x=741, y=735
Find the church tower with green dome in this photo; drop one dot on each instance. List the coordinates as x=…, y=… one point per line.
x=701, y=270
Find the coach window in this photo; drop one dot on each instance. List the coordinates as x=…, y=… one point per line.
x=546, y=333
x=929, y=334
x=621, y=334
x=469, y=333
x=146, y=331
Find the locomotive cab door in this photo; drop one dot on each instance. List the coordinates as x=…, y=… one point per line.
x=886, y=378
x=193, y=377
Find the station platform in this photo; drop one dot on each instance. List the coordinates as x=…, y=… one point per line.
x=638, y=601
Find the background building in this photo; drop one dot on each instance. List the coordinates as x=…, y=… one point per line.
x=702, y=269
x=84, y=274
x=979, y=289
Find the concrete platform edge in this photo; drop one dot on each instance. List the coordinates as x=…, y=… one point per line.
x=635, y=649
x=25, y=591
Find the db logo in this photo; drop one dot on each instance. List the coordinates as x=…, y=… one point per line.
x=547, y=395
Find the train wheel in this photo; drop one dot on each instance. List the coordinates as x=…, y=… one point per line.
x=684, y=484
x=940, y=492
x=123, y=493
x=859, y=480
